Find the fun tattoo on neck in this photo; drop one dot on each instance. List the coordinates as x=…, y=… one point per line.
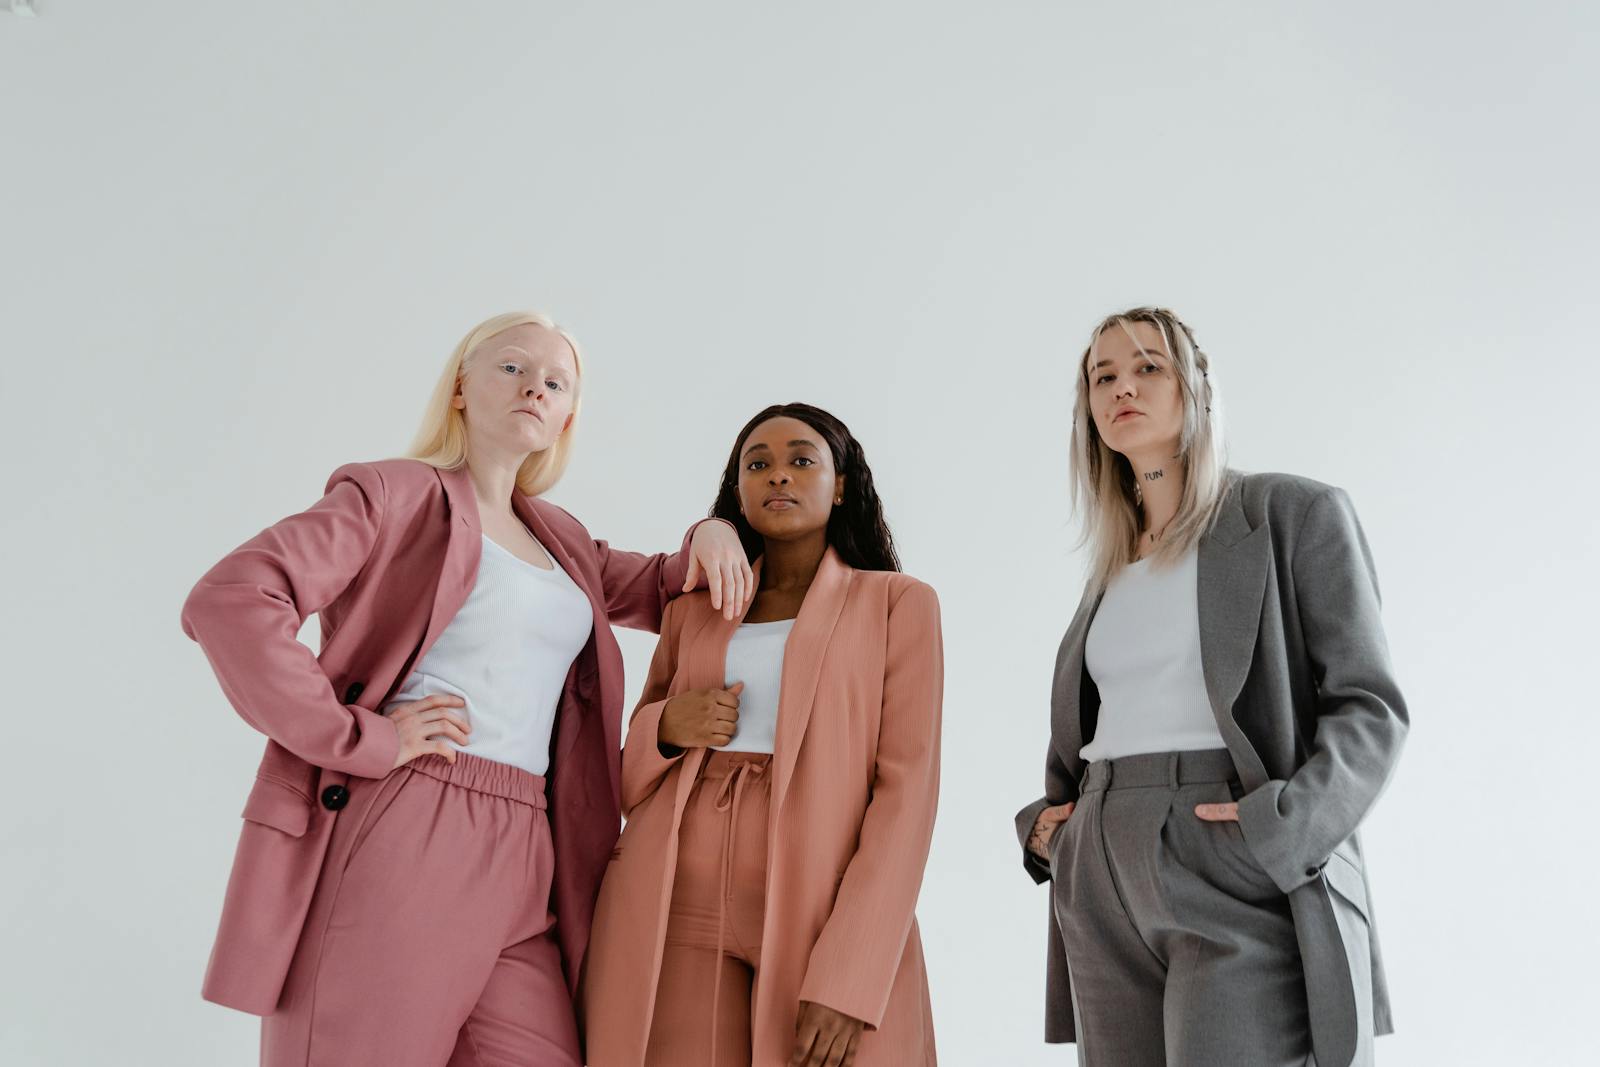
x=1151, y=476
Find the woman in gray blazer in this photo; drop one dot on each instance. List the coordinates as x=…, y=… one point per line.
x=1223, y=717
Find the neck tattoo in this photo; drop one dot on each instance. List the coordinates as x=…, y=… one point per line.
x=1151, y=476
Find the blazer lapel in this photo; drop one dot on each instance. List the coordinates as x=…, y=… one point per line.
x=461, y=556
x=1233, y=564
x=1068, y=731
x=527, y=509
x=710, y=649
x=802, y=664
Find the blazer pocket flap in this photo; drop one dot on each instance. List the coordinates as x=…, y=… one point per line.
x=1346, y=879
x=282, y=807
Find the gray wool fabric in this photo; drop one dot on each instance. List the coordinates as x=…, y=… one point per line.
x=1298, y=673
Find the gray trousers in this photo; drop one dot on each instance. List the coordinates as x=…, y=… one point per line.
x=1180, y=948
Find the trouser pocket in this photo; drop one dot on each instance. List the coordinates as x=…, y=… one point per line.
x=1216, y=851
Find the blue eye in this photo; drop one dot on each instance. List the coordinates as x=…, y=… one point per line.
x=511, y=368
x=553, y=384
x=805, y=460
x=755, y=465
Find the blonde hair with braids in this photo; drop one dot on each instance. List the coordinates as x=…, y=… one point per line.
x=1104, y=489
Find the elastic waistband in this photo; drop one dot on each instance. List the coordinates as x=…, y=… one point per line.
x=484, y=776
x=720, y=764
x=1170, y=769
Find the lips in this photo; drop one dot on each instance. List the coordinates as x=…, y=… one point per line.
x=525, y=411
x=1126, y=413
x=779, y=503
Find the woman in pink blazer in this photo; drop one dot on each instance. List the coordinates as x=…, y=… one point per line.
x=439, y=794
x=779, y=779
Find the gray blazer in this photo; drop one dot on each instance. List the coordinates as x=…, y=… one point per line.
x=1298, y=672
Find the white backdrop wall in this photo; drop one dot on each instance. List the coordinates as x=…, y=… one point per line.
x=239, y=239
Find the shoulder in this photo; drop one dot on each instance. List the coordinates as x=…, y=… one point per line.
x=400, y=479
x=1301, y=511
x=690, y=610
x=1283, y=499
x=900, y=591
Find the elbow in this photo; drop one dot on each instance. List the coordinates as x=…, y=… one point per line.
x=198, y=607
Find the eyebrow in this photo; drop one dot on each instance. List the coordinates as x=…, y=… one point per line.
x=557, y=372
x=1148, y=353
x=802, y=443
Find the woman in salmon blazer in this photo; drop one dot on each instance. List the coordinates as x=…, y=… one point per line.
x=439, y=795
x=779, y=779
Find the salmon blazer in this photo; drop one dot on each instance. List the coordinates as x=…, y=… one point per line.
x=386, y=558
x=854, y=788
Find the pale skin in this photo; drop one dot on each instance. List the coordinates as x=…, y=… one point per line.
x=1137, y=407
x=787, y=489
x=516, y=395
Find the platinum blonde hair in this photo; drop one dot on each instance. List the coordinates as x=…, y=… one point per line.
x=1104, y=490
x=442, y=439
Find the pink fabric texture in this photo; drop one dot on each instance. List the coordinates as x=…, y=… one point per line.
x=713, y=939
x=386, y=558
x=430, y=938
x=854, y=781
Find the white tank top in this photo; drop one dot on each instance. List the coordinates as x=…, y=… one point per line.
x=507, y=654
x=1143, y=652
x=755, y=657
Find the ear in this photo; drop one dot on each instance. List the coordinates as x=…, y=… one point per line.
x=838, y=490
x=458, y=401
x=567, y=425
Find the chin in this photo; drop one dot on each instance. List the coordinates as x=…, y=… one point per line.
x=1126, y=441
x=776, y=528
x=533, y=441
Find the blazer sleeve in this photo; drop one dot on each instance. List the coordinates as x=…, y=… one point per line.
x=643, y=765
x=1293, y=826
x=1057, y=790
x=1059, y=785
x=246, y=611
x=637, y=586
x=854, y=961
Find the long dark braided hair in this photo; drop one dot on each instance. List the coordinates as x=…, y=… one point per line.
x=856, y=529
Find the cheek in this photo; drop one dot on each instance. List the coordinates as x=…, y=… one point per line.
x=481, y=388
x=1100, y=412
x=1173, y=400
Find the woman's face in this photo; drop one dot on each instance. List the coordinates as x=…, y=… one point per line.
x=1134, y=394
x=787, y=484
x=517, y=390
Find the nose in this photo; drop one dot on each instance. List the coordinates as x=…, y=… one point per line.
x=777, y=477
x=1125, y=388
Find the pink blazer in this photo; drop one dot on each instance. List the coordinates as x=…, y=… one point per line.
x=387, y=557
x=854, y=788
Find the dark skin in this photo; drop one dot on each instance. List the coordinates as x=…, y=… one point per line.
x=787, y=489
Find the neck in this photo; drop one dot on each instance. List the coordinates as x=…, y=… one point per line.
x=788, y=565
x=494, y=478
x=1161, y=481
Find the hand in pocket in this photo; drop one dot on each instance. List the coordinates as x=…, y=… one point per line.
x=1045, y=827
x=1217, y=812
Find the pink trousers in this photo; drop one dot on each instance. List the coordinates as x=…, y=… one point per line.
x=712, y=955
x=430, y=940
